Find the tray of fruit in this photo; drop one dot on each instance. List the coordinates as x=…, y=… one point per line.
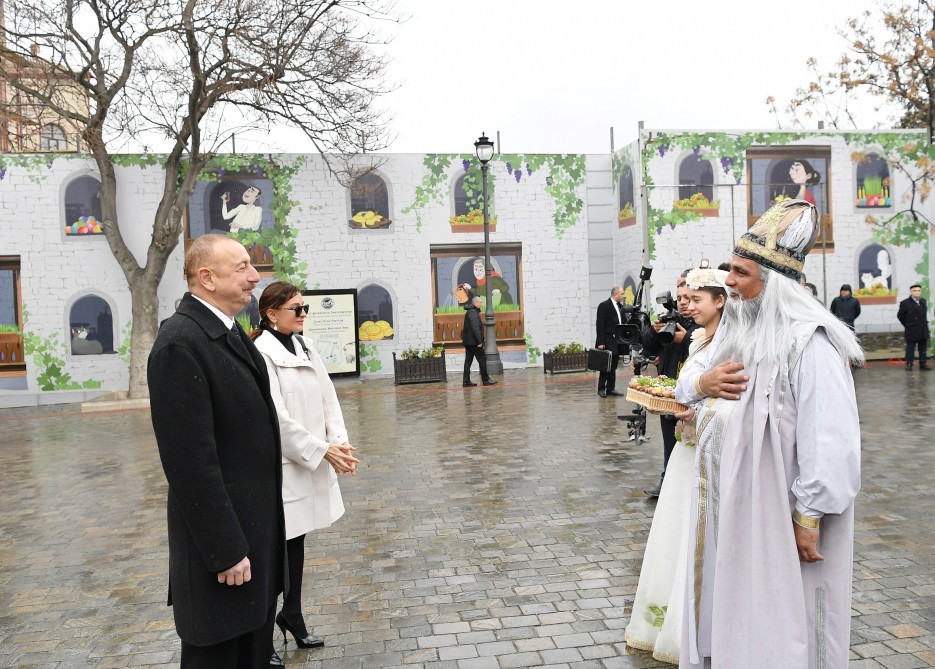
x=656, y=393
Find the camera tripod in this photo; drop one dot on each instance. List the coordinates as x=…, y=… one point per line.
x=636, y=419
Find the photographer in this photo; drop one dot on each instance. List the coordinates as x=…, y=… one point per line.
x=669, y=359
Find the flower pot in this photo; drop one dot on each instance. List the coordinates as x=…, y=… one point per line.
x=709, y=212
x=467, y=227
x=876, y=299
x=419, y=370
x=564, y=363
x=626, y=222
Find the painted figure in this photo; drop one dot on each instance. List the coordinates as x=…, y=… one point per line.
x=247, y=216
x=804, y=175
x=499, y=289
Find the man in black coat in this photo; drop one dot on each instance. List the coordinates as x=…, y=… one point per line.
x=218, y=438
x=669, y=360
x=472, y=336
x=608, y=318
x=845, y=306
x=913, y=314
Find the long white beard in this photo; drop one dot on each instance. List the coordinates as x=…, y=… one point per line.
x=756, y=328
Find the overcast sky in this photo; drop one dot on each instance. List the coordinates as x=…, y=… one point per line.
x=555, y=76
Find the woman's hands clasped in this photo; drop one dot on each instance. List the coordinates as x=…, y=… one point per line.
x=341, y=457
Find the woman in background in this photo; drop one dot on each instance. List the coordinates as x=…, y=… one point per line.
x=314, y=440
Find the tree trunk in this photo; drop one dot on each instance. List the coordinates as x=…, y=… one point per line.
x=145, y=312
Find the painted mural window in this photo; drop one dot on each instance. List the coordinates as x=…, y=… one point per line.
x=11, y=317
x=83, y=207
x=370, y=202
x=91, y=326
x=873, y=182
x=696, y=185
x=629, y=290
x=627, y=213
x=455, y=265
x=238, y=203
x=790, y=173
x=374, y=313
x=469, y=203
x=875, y=275
x=52, y=138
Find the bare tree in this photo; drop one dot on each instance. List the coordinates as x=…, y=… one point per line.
x=176, y=71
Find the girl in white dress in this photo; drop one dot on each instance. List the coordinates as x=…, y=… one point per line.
x=656, y=621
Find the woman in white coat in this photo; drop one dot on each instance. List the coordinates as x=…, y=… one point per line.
x=314, y=439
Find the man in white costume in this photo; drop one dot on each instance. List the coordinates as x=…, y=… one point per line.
x=777, y=468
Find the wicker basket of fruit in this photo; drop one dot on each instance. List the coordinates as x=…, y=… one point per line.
x=656, y=393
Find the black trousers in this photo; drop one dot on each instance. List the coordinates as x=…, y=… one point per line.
x=292, y=603
x=607, y=381
x=667, y=424
x=471, y=352
x=247, y=651
x=911, y=350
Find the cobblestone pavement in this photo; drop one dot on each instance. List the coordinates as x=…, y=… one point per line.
x=488, y=528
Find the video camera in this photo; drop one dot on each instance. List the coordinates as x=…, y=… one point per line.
x=634, y=317
x=672, y=318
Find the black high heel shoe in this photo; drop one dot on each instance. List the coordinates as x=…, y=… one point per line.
x=307, y=642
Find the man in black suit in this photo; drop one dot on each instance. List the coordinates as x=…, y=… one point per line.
x=218, y=438
x=913, y=314
x=608, y=318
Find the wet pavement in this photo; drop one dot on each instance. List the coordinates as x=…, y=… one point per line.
x=488, y=528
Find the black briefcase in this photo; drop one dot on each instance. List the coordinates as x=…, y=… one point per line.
x=599, y=359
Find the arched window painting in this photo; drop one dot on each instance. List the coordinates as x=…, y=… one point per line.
x=370, y=206
x=696, y=186
x=52, y=138
x=627, y=214
x=873, y=182
x=237, y=202
x=875, y=270
x=469, y=201
x=629, y=290
x=91, y=326
x=83, y=207
x=374, y=313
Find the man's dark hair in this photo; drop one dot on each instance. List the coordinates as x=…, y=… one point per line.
x=724, y=267
x=915, y=285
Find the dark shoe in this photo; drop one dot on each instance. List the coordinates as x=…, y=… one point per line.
x=654, y=492
x=614, y=392
x=601, y=393
x=468, y=384
x=908, y=368
x=306, y=642
x=925, y=368
x=490, y=382
x=275, y=662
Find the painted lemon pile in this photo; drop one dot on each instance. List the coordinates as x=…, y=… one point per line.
x=374, y=330
x=369, y=219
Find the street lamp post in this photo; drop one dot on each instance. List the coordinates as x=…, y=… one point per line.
x=484, y=149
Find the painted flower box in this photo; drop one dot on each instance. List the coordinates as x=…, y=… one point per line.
x=563, y=363
x=419, y=370
x=876, y=299
x=11, y=349
x=626, y=221
x=709, y=212
x=472, y=222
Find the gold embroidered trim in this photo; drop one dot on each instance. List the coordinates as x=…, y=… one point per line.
x=639, y=645
x=773, y=256
x=664, y=657
x=700, y=535
x=805, y=521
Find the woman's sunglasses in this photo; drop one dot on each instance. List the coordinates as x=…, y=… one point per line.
x=298, y=310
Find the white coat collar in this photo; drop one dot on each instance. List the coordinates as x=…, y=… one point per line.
x=268, y=345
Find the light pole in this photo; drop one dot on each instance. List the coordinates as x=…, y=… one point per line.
x=483, y=147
